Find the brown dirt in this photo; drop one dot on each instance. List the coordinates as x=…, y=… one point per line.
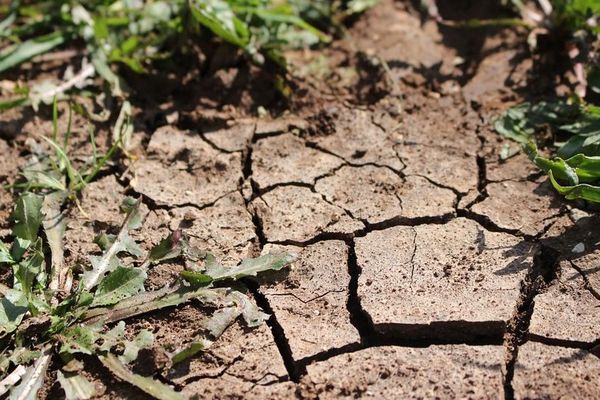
x=416, y=275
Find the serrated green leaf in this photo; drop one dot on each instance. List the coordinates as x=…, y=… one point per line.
x=154, y=388
x=248, y=267
x=108, y=261
x=150, y=301
x=76, y=387
x=143, y=340
x=78, y=339
x=252, y=314
x=118, y=285
x=113, y=337
x=28, y=216
x=219, y=321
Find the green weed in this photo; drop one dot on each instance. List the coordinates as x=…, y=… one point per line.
x=136, y=34
x=53, y=311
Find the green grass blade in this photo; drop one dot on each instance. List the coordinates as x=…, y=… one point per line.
x=30, y=48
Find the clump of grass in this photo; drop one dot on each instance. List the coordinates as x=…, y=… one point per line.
x=135, y=34
x=51, y=309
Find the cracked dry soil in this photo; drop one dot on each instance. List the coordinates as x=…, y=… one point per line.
x=427, y=268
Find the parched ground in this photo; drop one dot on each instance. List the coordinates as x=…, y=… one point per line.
x=427, y=267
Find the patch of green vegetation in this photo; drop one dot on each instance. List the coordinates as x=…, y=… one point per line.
x=54, y=312
x=567, y=129
x=138, y=33
x=571, y=131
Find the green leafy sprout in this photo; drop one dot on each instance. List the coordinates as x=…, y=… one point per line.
x=54, y=311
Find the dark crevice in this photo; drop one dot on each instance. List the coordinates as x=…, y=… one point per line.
x=315, y=146
x=153, y=205
x=214, y=146
x=277, y=330
x=488, y=224
x=370, y=227
x=163, y=379
x=258, y=191
x=481, y=182
x=359, y=318
x=541, y=273
x=571, y=344
x=475, y=333
x=294, y=371
x=456, y=192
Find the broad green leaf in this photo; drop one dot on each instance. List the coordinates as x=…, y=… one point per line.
x=28, y=216
x=118, y=285
x=582, y=191
x=586, y=168
x=76, y=387
x=248, y=267
x=154, y=388
x=28, y=49
x=33, y=379
x=19, y=248
x=12, y=309
x=143, y=340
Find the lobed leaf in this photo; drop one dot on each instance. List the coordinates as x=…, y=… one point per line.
x=118, y=285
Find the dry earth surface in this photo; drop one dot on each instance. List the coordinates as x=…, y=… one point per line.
x=427, y=268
